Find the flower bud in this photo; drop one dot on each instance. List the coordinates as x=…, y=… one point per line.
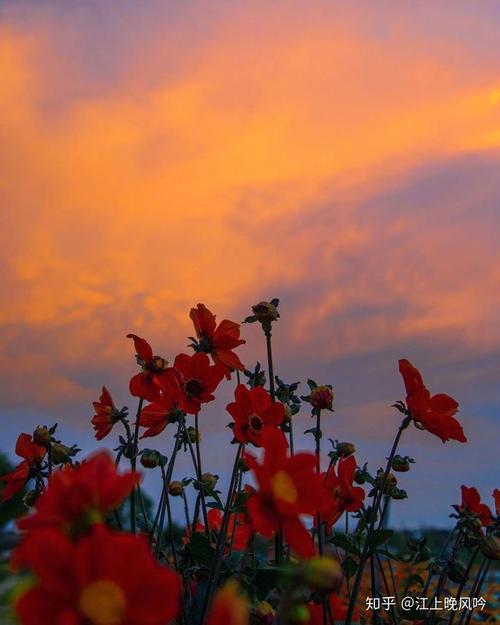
x=401, y=464
x=42, y=436
x=30, y=498
x=345, y=449
x=176, y=489
x=321, y=573
x=359, y=476
x=299, y=614
x=61, y=454
x=194, y=435
x=150, y=458
x=321, y=397
x=265, y=312
x=288, y=413
x=209, y=480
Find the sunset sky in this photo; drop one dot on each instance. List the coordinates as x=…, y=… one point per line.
x=342, y=156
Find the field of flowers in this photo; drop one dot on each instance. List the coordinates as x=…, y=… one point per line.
x=300, y=537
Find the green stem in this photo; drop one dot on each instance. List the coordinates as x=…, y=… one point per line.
x=133, y=464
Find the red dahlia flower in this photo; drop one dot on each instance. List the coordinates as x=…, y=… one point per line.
x=496, y=497
x=149, y=382
x=346, y=497
x=106, y=414
x=198, y=379
x=77, y=497
x=254, y=412
x=242, y=532
x=432, y=413
x=219, y=341
x=471, y=505
x=33, y=455
x=229, y=607
x=159, y=413
x=105, y=578
x=287, y=488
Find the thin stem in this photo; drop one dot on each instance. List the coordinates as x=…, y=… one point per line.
x=221, y=538
x=366, y=548
x=143, y=508
x=169, y=515
x=197, y=468
x=133, y=464
x=270, y=367
x=464, y=580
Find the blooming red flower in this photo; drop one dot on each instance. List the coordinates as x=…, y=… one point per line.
x=77, y=497
x=198, y=380
x=432, y=413
x=254, y=412
x=343, y=495
x=105, y=578
x=32, y=455
x=106, y=414
x=496, y=497
x=229, y=607
x=471, y=505
x=149, y=382
x=338, y=610
x=158, y=414
x=287, y=488
x=242, y=532
x=217, y=340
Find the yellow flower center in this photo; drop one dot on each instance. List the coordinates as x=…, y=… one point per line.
x=283, y=487
x=102, y=602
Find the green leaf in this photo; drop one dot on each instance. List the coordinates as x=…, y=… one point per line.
x=345, y=542
x=415, y=580
x=349, y=566
x=311, y=384
x=200, y=550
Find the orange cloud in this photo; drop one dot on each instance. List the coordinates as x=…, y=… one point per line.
x=265, y=162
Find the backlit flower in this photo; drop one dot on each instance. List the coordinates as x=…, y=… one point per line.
x=148, y=383
x=254, y=412
x=471, y=505
x=217, y=340
x=103, y=579
x=344, y=497
x=496, y=497
x=288, y=487
x=77, y=497
x=106, y=414
x=32, y=455
x=242, y=531
x=432, y=413
x=159, y=413
x=198, y=379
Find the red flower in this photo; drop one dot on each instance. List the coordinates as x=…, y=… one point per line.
x=471, y=505
x=33, y=455
x=148, y=383
x=78, y=497
x=229, y=607
x=338, y=611
x=164, y=410
x=288, y=488
x=432, y=413
x=219, y=341
x=496, y=497
x=198, y=379
x=242, y=532
x=106, y=414
x=103, y=579
x=254, y=412
x=346, y=497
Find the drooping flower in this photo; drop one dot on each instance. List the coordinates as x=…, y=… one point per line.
x=471, y=505
x=217, y=340
x=432, y=413
x=78, y=497
x=229, y=606
x=338, y=610
x=288, y=487
x=32, y=455
x=254, y=412
x=149, y=382
x=106, y=414
x=105, y=578
x=343, y=495
x=198, y=379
